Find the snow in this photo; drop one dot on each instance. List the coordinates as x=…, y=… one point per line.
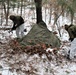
x=59, y=65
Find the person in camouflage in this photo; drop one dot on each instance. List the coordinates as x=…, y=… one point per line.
x=18, y=25
x=71, y=29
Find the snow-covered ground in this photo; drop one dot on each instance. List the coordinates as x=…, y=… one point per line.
x=23, y=64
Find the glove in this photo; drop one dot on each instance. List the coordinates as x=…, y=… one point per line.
x=71, y=39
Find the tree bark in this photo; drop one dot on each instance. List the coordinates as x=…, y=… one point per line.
x=38, y=4
x=6, y=10
x=21, y=6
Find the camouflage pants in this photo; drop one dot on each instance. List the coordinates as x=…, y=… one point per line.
x=73, y=49
x=20, y=31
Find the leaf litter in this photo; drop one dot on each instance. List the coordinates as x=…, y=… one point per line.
x=35, y=60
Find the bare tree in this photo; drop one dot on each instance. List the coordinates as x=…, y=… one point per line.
x=21, y=6
x=38, y=4
x=6, y=10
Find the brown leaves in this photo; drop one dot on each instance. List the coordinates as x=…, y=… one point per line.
x=39, y=49
x=36, y=49
x=55, y=32
x=23, y=59
x=14, y=44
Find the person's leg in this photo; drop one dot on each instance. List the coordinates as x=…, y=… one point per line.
x=73, y=49
x=22, y=30
x=18, y=32
x=72, y=53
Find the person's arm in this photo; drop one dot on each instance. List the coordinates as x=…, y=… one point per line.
x=19, y=21
x=14, y=26
x=71, y=35
x=17, y=25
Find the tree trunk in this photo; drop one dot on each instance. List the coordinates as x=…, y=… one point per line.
x=72, y=17
x=50, y=15
x=45, y=14
x=21, y=6
x=18, y=7
x=38, y=4
x=6, y=11
x=1, y=14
